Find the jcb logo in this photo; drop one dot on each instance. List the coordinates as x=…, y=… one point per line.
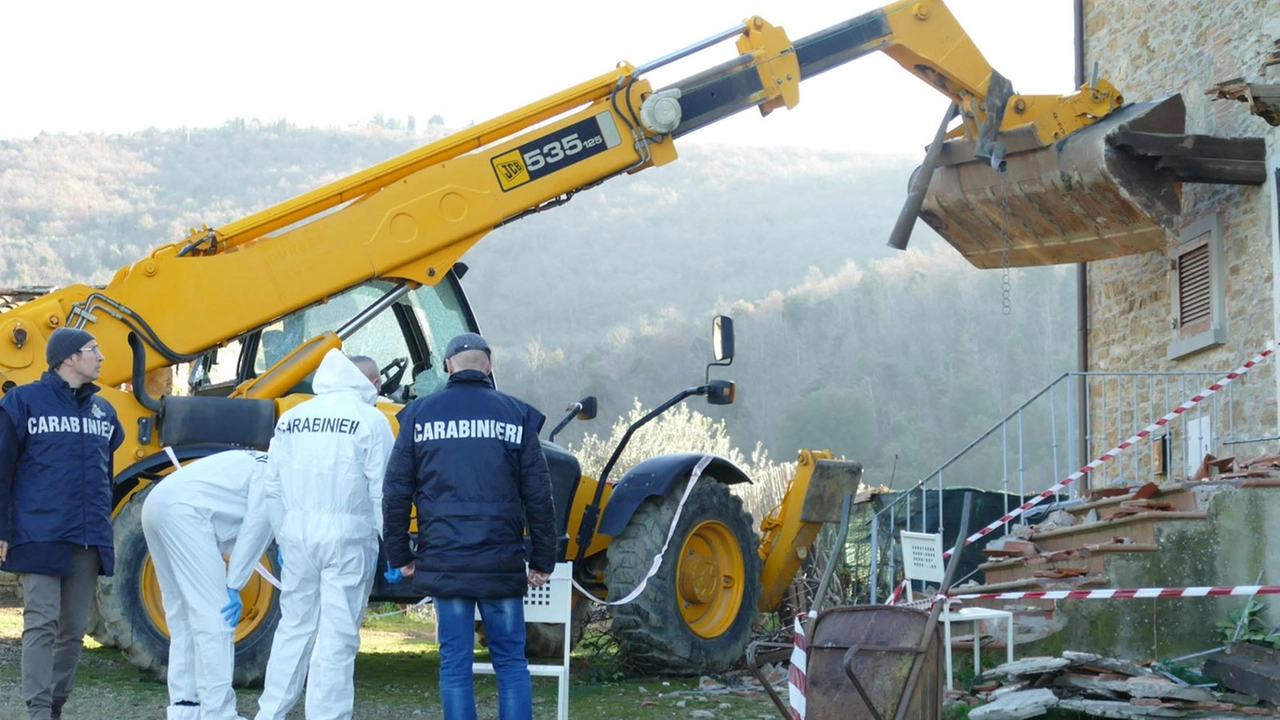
x=510, y=169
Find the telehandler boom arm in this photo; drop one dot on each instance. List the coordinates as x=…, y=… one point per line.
x=926, y=40
x=413, y=216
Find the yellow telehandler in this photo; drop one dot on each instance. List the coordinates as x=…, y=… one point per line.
x=371, y=263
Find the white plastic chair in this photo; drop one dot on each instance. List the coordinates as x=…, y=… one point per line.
x=922, y=560
x=551, y=603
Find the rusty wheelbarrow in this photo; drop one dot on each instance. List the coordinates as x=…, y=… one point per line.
x=860, y=659
x=869, y=661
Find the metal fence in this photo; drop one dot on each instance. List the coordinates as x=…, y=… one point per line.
x=1067, y=425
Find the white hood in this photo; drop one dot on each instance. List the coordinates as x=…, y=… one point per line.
x=337, y=373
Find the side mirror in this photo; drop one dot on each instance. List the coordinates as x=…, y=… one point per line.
x=721, y=345
x=722, y=337
x=721, y=392
x=584, y=409
x=587, y=408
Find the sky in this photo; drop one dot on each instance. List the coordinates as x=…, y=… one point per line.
x=124, y=66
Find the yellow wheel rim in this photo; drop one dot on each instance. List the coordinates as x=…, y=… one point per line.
x=709, y=579
x=151, y=596
x=257, y=596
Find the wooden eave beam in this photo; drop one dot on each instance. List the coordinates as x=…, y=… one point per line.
x=1199, y=158
x=1214, y=171
x=1263, y=98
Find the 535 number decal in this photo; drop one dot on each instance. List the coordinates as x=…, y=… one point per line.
x=557, y=150
x=554, y=151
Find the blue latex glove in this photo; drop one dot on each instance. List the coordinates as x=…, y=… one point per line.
x=279, y=559
x=392, y=575
x=231, y=611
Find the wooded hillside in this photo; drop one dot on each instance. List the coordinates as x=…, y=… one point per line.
x=843, y=343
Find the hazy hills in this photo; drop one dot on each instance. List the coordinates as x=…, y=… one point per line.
x=843, y=343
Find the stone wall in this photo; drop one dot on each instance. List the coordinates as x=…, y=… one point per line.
x=1230, y=547
x=1151, y=50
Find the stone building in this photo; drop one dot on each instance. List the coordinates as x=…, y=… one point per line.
x=1207, y=300
x=1205, y=296
x=1148, y=311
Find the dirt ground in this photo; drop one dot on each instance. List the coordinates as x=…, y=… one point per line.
x=395, y=678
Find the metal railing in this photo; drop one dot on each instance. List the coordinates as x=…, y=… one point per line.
x=1050, y=436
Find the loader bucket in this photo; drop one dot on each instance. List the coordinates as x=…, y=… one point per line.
x=830, y=482
x=1078, y=200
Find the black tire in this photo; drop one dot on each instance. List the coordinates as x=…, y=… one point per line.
x=128, y=611
x=97, y=628
x=668, y=629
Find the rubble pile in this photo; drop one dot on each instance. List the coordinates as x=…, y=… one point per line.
x=1229, y=468
x=1097, y=686
x=743, y=683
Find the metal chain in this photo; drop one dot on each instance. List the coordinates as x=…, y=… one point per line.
x=1006, y=285
x=1006, y=307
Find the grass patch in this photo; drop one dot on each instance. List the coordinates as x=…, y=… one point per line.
x=390, y=628
x=396, y=677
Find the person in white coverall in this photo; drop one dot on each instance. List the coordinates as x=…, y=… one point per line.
x=323, y=501
x=190, y=520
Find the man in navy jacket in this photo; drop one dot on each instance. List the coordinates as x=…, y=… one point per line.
x=469, y=458
x=56, y=442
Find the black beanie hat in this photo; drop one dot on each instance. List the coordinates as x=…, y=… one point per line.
x=63, y=343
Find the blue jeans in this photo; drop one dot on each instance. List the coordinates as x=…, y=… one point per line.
x=504, y=632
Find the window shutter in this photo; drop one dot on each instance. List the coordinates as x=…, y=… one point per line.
x=1195, y=298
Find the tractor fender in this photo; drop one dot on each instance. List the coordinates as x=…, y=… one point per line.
x=154, y=466
x=655, y=477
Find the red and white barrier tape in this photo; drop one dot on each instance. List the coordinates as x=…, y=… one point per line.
x=1129, y=594
x=797, y=673
x=1113, y=452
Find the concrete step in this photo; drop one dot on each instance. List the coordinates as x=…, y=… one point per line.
x=1090, y=558
x=1140, y=528
x=1031, y=585
x=1180, y=496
